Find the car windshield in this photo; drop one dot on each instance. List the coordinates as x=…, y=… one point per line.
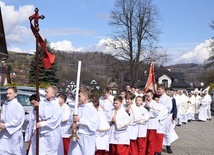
x=22, y=97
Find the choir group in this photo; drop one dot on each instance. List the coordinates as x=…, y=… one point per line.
x=132, y=123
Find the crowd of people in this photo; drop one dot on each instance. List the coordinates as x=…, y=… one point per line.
x=133, y=123
x=192, y=106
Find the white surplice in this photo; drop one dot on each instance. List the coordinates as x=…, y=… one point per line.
x=119, y=131
x=11, y=138
x=153, y=115
x=136, y=116
x=29, y=118
x=50, y=139
x=102, y=134
x=142, y=124
x=66, y=121
x=162, y=118
x=107, y=105
x=170, y=134
x=87, y=127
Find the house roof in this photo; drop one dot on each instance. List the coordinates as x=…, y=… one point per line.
x=3, y=46
x=177, y=78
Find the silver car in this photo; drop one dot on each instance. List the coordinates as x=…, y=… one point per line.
x=23, y=99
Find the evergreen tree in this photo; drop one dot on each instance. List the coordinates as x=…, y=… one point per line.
x=48, y=76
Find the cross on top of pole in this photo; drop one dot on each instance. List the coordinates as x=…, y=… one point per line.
x=36, y=18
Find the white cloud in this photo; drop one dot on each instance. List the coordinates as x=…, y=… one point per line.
x=18, y=50
x=14, y=23
x=100, y=46
x=64, y=45
x=198, y=55
x=67, y=45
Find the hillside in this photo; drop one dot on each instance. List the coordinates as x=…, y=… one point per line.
x=95, y=65
x=192, y=72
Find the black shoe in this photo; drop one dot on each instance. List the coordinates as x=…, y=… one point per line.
x=169, y=150
x=157, y=153
x=178, y=125
x=189, y=120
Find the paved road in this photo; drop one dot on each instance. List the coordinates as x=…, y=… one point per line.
x=195, y=138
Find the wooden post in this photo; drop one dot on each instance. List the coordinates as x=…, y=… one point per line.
x=36, y=17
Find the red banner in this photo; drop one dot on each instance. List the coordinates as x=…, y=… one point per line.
x=48, y=58
x=150, y=84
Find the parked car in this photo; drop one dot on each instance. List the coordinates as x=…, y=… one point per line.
x=25, y=88
x=23, y=99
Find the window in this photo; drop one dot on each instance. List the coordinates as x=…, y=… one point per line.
x=23, y=99
x=165, y=83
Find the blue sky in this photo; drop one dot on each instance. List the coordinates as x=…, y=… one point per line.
x=83, y=25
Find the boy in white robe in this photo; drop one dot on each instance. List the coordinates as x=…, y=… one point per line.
x=50, y=116
x=142, y=126
x=119, y=132
x=152, y=107
x=66, y=122
x=106, y=102
x=102, y=133
x=162, y=117
x=30, y=117
x=12, y=119
x=123, y=94
x=135, y=115
x=88, y=123
x=169, y=130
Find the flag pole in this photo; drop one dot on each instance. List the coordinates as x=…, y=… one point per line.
x=153, y=78
x=36, y=17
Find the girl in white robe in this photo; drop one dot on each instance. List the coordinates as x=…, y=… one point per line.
x=119, y=131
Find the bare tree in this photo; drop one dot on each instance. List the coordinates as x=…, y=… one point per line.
x=210, y=60
x=136, y=33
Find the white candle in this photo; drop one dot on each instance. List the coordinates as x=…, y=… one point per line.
x=77, y=88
